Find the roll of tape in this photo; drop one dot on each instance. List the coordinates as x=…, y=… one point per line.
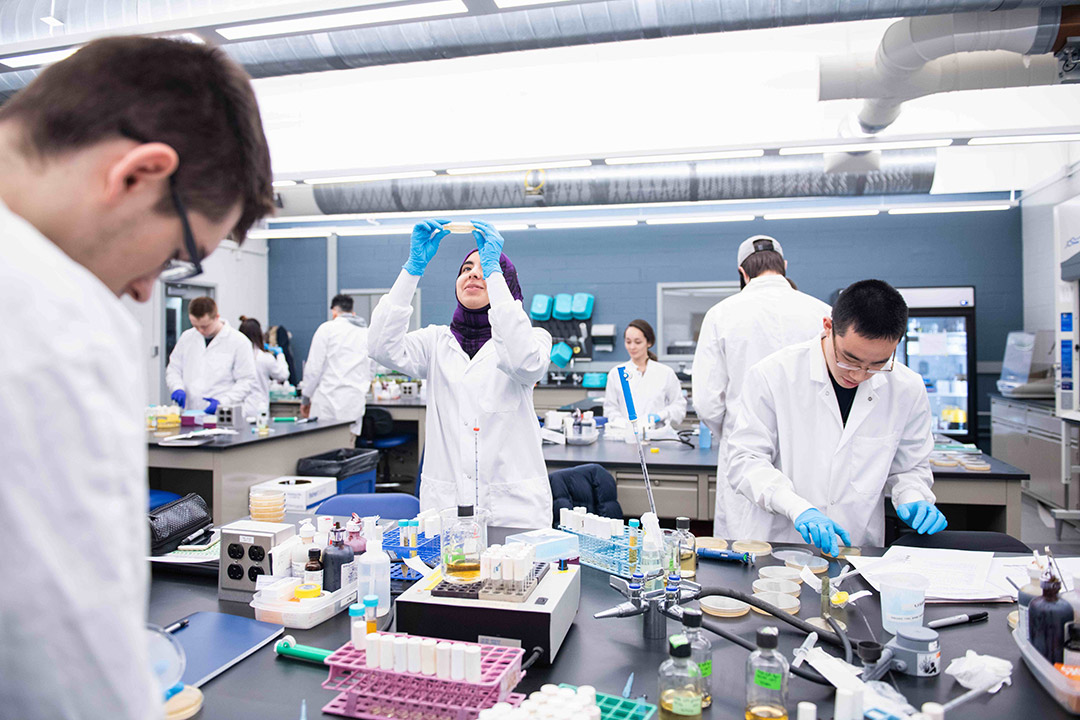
x=307, y=591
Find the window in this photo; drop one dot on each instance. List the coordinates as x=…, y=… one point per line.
x=365, y=300
x=680, y=310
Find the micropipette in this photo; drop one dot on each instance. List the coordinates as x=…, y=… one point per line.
x=624, y=378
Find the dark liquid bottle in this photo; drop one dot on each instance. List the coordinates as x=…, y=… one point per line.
x=1047, y=617
x=337, y=562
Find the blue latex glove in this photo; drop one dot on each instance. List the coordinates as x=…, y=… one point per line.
x=426, y=237
x=212, y=407
x=654, y=418
x=179, y=397
x=923, y=517
x=276, y=349
x=816, y=528
x=490, y=244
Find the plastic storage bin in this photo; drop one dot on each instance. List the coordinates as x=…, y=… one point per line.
x=354, y=468
x=551, y=545
x=273, y=604
x=582, y=306
x=1063, y=689
x=541, y=308
x=564, y=307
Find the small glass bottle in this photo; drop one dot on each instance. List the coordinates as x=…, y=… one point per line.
x=1024, y=596
x=700, y=651
x=766, y=679
x=354, y=538
x=687, y=547
x=338, y=568
x=1047, y=616
x=462, y=548
x=680, y=682
x=313, y=571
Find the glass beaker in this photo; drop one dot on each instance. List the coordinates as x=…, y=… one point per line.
x=463, y=541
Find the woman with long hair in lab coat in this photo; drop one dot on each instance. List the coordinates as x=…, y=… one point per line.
x=269, y=365
x=654, y=387
x=479, y=373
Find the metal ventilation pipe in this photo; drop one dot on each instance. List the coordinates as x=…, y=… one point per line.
x=766, y=177
x=923, y=56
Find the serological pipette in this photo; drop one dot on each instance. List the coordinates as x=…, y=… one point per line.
x=624, y=378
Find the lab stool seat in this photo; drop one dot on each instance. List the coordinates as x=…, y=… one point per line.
x=377, y=431
x=161, y=497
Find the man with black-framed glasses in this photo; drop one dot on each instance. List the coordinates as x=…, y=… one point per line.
x=825, y=428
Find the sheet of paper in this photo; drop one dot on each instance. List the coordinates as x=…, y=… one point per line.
x=1014, y=568
x=954, y=575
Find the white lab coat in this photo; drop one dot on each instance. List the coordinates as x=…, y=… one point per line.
x=73, y=497
x=495, y=388
x=789, y=450
x=267, y=367
x=656, y=391
x=224, y=369
x=337, y=375
x=737, y=332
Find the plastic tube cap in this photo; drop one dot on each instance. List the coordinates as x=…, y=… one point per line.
x=357, y=610
x=369, y=601
x=767, y=638
x=682, y=523
x=807, y=711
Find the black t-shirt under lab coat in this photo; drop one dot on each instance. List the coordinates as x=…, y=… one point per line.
x=845, y=397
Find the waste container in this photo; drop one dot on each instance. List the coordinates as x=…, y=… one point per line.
x=354, y=468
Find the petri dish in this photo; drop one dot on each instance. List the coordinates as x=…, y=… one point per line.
x=1013, y=619
x=185, y=704
x=724, y=607
x=757, y=547
x=712, y=543
x=786, y=554
x=780, y=572
x=843, y=552
x=764, y=585
x=816, y=564
x=820, y=624
x=977, y=467
x=459, y=227
x=781, y=600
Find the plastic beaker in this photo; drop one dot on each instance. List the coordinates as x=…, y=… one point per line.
x=903, y=599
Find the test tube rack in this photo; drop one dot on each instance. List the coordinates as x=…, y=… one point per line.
x=493, y=589
x=402, y=576
x=617, y=708
x=375, y=694
x=611, y=555
x=427, y=548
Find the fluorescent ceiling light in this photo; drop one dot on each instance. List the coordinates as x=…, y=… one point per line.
x=348, y=19
x=928, y=209
x=187, y=37
x=684, y=157
x=283, y=183
x=290, y=233
x=687, y=220
x=866, y=146
x=18, y=62
x=523, y=3
x=823, y=214
x=370, y=178
x=522, y=166
x=52, y=21
x=374, y=230
x=569, y=224
x=1020, y=139
x=507, y=227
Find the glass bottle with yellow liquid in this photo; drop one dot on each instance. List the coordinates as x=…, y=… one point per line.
x=766, y=679
x=680, y=682
x=462, y=547
x=687, y=547
x=700, y=651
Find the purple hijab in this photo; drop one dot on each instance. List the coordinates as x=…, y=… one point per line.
x=471, y=327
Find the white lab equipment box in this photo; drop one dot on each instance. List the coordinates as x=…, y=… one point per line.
x=301, y=492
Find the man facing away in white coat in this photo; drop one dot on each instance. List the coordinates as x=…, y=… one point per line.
x=337, y=374
x=767, y=315
x=825, y=428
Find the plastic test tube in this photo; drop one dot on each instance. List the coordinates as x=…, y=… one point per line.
x=497, y=562
x=457, y=661
x=386, y=652
x=401, y=653
x=427, y=656
x=414, y=664
x=442, y=660
x=472, y=663
x=521, y=571
x=485, y=566
x=403, y=533
x=371, y=650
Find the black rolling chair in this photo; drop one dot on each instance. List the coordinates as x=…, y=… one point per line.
x=377, y=431
x=589, y=486
x=964, y=540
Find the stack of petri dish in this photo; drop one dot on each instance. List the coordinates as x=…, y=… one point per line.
x=267, y=505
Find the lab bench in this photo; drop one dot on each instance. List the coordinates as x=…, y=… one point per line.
x=603, y=653
x=223, y=469
x=684, y=483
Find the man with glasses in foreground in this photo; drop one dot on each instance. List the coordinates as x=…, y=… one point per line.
x=130, y=160
x=825, y=428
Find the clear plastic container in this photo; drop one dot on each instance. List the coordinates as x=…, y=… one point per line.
x=1064, y=690
x=903, y=600
x=550, y=545
x=275, y=604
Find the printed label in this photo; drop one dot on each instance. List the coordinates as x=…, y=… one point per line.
x=298, y=569
x=686, y=705
x=249, y=539
x=1066, y=359
x=348, y=575
x=768, y=680
x=928, y=664
x=313, y=577
x=706, y=668
x=1066, y=322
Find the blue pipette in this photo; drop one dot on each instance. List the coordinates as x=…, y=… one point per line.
x=624, y=379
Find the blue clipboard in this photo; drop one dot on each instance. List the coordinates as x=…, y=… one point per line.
x=214, y=642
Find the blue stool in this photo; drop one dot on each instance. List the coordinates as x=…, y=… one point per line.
x=161, y=497
x=377, y=431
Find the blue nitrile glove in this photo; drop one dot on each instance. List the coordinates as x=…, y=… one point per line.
x=426, y=237
x=490, y=244
x=212, y=407
x=276, y=349
x=816, y=528
x=654, y=418
x=923, y=517
x=179, y=397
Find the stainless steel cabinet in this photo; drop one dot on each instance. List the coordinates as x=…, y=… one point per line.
x=1028, y=436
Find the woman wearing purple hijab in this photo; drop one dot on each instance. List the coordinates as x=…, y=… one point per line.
x=480, y=371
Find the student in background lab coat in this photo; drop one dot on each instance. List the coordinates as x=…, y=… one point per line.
x=269, y=365
x=481, y=368
x=95, y=203
x=654, y=387
x=337, y=374
x=767, y=315
x=211, y=364
x=825, y=428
